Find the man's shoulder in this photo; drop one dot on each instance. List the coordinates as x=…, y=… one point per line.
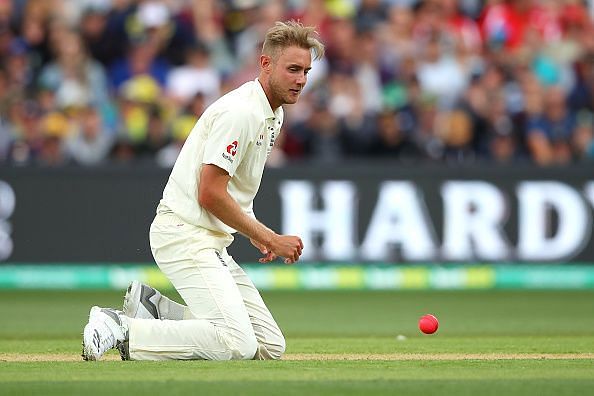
x=244, y=90
x=238, y=102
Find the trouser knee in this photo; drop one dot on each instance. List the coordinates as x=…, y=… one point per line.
x=245, y=349
x=271, y=350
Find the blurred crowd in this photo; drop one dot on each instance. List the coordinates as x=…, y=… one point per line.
x=89, y=82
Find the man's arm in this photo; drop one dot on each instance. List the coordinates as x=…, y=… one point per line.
x=214, y=197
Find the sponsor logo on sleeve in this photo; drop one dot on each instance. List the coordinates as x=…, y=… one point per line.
x=231, y=151
x=232, y=148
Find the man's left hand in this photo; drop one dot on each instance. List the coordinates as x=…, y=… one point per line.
x=268, y=255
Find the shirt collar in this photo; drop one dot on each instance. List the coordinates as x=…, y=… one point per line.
x=265, y=105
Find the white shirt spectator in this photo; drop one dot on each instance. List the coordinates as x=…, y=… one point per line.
x=197, y=76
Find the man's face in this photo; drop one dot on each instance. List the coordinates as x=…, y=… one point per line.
x=289, y=74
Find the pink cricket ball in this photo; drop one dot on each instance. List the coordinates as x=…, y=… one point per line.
x=428, y=324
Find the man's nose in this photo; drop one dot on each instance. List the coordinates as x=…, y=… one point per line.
x=302, y=79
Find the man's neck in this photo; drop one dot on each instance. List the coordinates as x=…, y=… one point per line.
x=265, y=87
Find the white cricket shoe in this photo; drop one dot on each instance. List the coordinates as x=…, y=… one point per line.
x=105, y=330
x=142, y=301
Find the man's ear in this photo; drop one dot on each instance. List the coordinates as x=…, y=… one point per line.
x=266, y=63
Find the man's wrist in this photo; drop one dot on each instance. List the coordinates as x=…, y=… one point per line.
x=268, y=238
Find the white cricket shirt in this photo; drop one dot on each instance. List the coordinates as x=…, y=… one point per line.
x=235, y=133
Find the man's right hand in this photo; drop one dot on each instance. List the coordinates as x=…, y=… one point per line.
x=287, y=246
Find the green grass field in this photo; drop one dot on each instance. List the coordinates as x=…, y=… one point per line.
x=338, y=343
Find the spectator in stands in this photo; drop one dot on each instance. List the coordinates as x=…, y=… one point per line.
x=318, y=13
x=180, y=127
x=367, y=71
x=54, y=128
x=207, y=16
x=139, y=97
x=258, y=18
x=7, y=132
x=506, y=24
x=549, y=134
x=153, y=22
x=581, y=95
x=426, y=113
x=90, y=142
x=319, y=137
x=196, y=76
x=396, y=39
x=341, y=53
x=76, y=79
x=34, y=33
x=123, y=151
x=18, y=69
x=99, y=32
x=459, y=28
x=370, y=14
x=391, y=140
x=440, y=74
x=6, y=14
x=453, y=128
x=24, y=122
x=500, y=141
x=140, y=59
x=583, y=139
x=157, y=136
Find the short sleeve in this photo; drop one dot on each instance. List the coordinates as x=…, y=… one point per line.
x=227, y=141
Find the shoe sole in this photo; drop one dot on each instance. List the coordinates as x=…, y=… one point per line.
x=132, y=295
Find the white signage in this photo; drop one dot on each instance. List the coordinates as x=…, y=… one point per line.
x=7, y=204
x=537, y=239
x=554, y=221
x=336, y=223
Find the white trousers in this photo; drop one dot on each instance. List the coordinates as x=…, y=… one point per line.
x=231, y=319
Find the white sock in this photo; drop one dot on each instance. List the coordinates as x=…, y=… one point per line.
x=172, y=310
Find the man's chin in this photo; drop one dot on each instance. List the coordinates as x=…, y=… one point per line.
x=291, y=99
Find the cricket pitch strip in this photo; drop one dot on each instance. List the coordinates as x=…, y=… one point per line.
x=63, y=357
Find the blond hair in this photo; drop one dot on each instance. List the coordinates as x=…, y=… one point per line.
x=291, y=34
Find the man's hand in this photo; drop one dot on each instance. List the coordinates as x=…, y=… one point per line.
x=268, y=255
x=288, y=246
